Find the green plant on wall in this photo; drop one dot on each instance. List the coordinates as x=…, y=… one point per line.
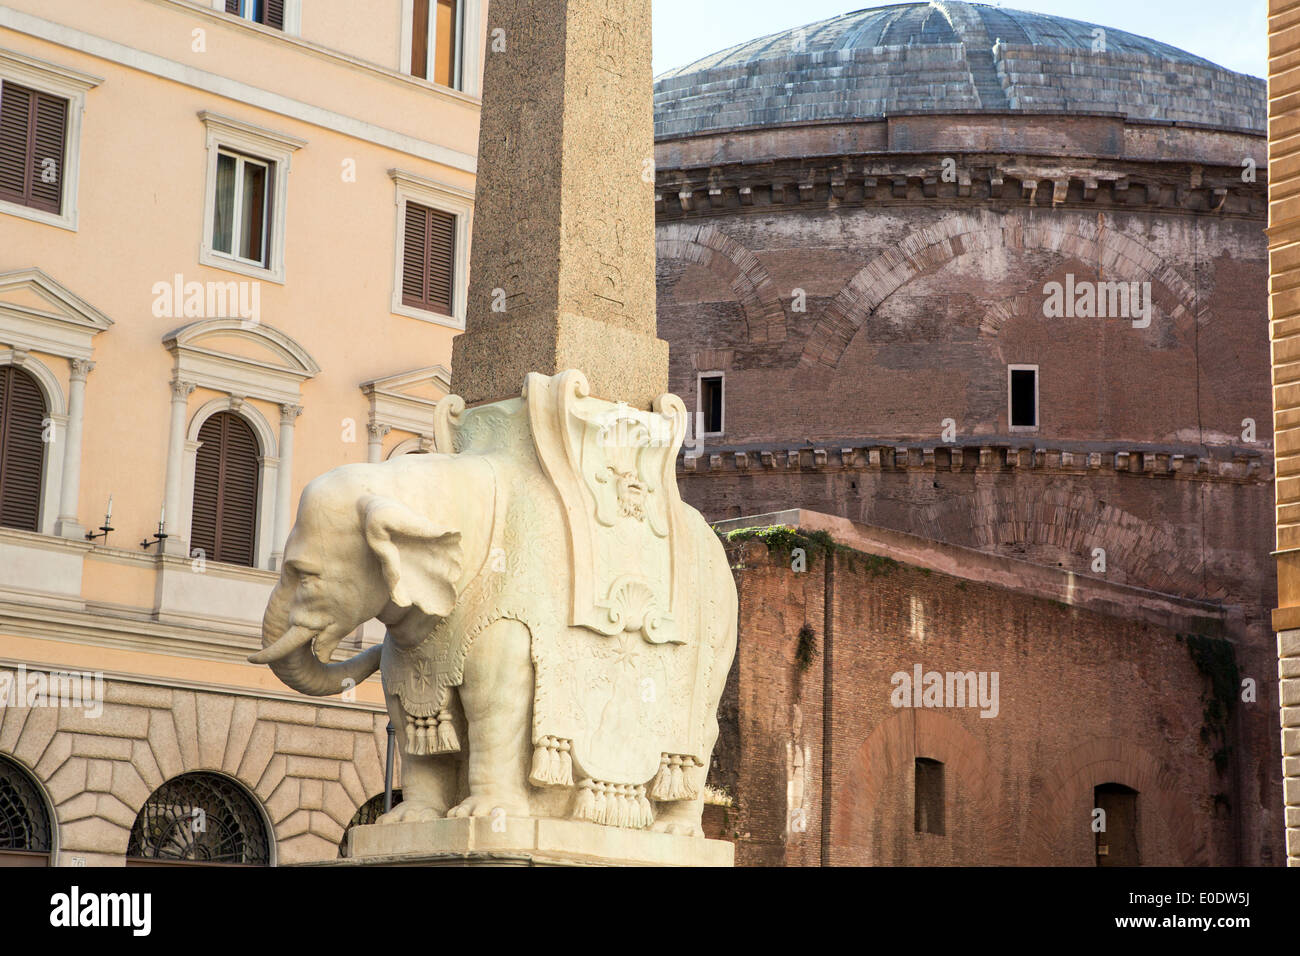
x=783, y=539
x=1216, y=659
x=805, y=651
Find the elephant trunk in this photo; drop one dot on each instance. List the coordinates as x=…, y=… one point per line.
x=289, y=652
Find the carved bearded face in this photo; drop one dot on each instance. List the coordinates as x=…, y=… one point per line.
x=631, y=494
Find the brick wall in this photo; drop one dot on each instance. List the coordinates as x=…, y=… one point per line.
x=1085, y=698
x=912, y=311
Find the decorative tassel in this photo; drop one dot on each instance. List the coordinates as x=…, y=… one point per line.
x=678, y=786
x=585, y=807
x=541, y=757
x=613, y=804
x=676, y=779
x=690, y=784
x=552, y=763
x=645, y=812
x=416, y=744
x=566, y=764
x=620, y=814
x=447, y=741
x=661, y=786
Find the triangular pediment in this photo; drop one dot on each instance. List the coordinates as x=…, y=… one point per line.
x=433, y=382
x=406, y=400
x=40, y=314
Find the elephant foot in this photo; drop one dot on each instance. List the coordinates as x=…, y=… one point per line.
x=679, y=819
x=487, y=804
x=677, y=828
x=410, y=812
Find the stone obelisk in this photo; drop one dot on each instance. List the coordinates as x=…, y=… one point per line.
x=563, y=269
x=560, y=708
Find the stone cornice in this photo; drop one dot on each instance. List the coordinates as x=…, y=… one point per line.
x=1003, y=180
x=996, y=570
x=328, y=54
x=1001, y=455
x=212, y=687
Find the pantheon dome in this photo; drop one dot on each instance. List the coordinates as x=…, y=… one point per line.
x=945, y=58
x=861, y=227
x=987, y=281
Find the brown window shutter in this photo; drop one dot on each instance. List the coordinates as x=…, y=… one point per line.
x=207, y=481
x=48, y=153
x=33, y=130
x=274, y=14
x=269, y=212
x=415, y=251
x=428, y=258
x=22, y=413
x=232, y=6
x=15, y=111
x=224, y=522
x=420, y=39
x=442, y=251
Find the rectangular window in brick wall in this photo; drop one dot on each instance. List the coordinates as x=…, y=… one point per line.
x=929, y=796
x=711, y=403
x=1022, y=387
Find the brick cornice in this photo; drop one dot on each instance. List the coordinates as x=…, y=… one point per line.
x=1004, y=455
x=972, y=179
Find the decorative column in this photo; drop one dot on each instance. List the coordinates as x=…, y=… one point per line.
x=375, y=447
x=68, y=526
x=181, y=391
x=284, y=483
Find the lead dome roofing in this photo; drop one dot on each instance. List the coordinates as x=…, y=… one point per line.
x=945, y=57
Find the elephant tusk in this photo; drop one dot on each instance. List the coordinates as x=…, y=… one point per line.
x=293, y=639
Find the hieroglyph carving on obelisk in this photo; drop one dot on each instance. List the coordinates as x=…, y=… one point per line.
x=563, y=267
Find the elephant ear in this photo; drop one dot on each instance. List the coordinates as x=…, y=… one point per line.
x=421, y=561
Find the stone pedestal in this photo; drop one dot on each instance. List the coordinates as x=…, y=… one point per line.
x=512, y=841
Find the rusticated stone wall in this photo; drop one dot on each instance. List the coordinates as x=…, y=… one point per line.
x=308, y=766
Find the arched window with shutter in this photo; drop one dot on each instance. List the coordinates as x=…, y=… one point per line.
x=224, y=522
x=22, y=412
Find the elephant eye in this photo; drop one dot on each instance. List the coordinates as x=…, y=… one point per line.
x=296, y=569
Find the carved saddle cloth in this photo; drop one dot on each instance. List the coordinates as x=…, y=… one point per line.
x=592, y=552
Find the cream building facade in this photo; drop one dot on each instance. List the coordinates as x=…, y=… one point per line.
x=234, y=245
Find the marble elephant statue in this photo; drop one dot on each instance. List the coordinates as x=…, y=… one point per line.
x=559, y=624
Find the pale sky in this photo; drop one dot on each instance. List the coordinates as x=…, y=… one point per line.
x=1233, y=34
